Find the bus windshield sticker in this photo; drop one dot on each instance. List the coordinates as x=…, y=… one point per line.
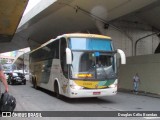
x=97, y=54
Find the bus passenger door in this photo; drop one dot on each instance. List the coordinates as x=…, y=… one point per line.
x=64, y=67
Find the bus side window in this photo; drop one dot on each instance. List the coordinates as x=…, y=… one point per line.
x=63, y=46
x=54, y=50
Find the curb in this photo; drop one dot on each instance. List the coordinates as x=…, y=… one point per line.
x=143, y=93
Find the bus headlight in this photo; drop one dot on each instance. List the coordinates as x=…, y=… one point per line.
x=76, y=87
x=113, y=86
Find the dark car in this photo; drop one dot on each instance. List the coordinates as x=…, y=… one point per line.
x=16, y=78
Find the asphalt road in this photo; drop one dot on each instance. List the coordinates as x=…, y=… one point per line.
x=30, y=99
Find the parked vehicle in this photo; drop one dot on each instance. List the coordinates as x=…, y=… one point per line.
x=16, y=78
x=26, y=74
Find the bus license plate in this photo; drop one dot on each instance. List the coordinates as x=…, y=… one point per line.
x=96, y=93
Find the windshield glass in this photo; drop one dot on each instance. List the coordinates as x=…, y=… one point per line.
x=90, y=44
x=93, y=65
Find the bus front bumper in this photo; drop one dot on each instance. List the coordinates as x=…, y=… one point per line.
x=92, y=92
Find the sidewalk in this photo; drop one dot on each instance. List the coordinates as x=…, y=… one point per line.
x=139, y=93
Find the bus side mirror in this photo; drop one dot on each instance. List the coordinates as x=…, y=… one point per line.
x=68, y=56
x=122, y=55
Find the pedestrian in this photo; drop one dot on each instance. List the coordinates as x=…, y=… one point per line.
x=136, y=82
x=3, y=79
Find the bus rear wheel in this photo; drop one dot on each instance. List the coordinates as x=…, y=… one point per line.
x=34, y=83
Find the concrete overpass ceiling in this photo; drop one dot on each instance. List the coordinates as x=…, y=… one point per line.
x=65, y=20
x=111, y=9
x=11, y=12
x=76, y=16
x=151, y=14
x=63, y=16
x=101, y=8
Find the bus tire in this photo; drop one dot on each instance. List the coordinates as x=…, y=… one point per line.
x=56, y=90
x=34, y=83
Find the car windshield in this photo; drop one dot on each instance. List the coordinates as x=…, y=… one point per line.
x=93, y=65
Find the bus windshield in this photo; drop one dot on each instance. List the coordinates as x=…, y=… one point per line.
x=90, y=44
x=93, y=58
x=92, y=65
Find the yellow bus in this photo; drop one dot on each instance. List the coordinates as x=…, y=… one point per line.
x=76, y=65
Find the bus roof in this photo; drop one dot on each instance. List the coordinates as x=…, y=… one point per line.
x=84, y=35
x=78, y=35
x=74, y=35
